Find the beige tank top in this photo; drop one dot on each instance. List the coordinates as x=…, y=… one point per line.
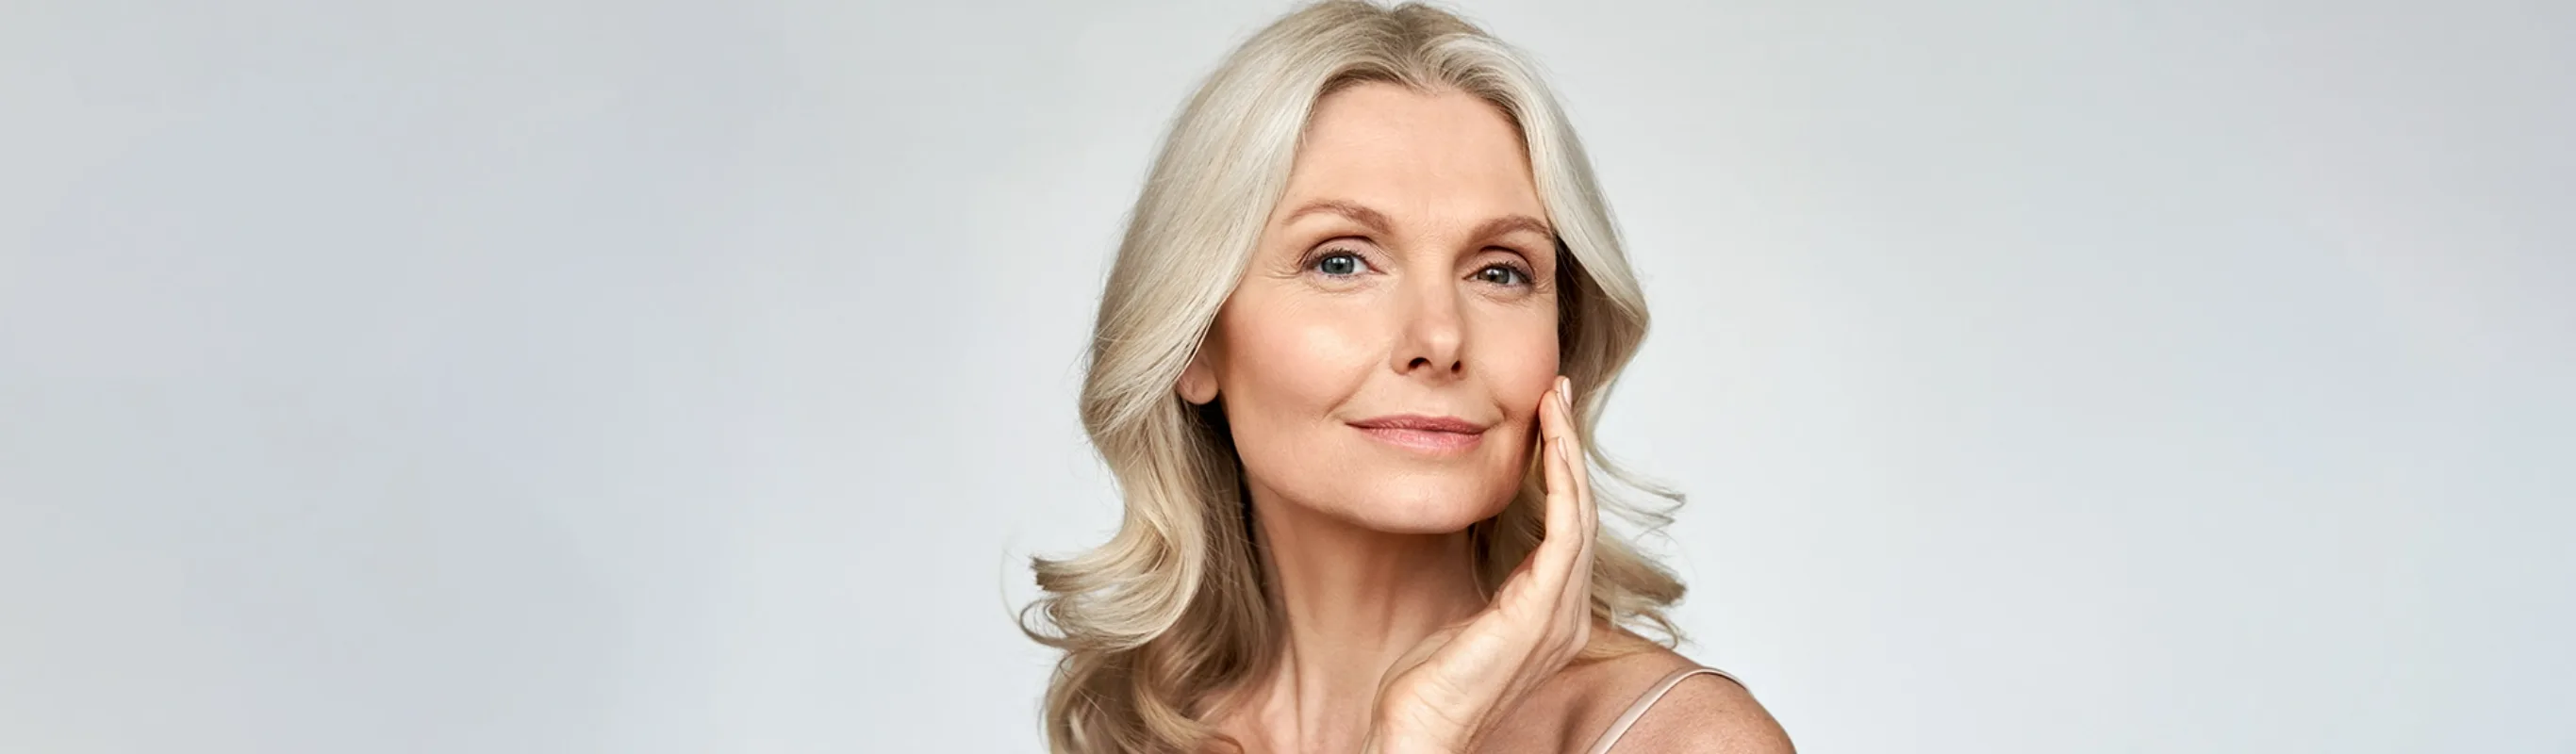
x=1647, y=700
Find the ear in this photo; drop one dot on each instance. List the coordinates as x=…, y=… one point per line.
x=1198, y=382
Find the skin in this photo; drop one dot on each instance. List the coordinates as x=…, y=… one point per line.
x=1409, y=269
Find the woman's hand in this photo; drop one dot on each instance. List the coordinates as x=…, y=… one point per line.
x=1451, y=690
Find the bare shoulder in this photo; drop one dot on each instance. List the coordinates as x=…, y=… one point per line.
x=1704, y=713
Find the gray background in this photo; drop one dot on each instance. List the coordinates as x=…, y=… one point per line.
x=555, y=376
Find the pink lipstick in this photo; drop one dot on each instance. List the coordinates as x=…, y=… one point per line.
x=1436, y=435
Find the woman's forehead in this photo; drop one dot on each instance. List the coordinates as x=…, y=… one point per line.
x=1402, y=154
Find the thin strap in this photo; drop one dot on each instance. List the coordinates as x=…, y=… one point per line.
x=1638, y=709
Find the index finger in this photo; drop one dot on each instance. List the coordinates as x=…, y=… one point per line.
x=1587, y=517
x=1561, y=548
x=1586, y=512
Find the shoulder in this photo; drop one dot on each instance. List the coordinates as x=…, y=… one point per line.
x=1702, y=713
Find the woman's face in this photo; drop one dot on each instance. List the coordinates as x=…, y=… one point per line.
x=1406, y=274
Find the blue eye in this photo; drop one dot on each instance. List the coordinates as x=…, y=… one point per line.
x=1338, y=264
x=1510, y=275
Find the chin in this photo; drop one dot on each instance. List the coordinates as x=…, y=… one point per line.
x=1438, y=507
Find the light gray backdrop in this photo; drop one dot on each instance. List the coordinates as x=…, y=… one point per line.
x=648, y=377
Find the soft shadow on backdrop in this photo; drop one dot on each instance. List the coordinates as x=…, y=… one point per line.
x=583, y=377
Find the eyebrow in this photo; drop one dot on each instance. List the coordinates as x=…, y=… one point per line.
x=1512, y=223
x=1376, y=221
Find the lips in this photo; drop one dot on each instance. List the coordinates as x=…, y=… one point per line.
x=1435, y=435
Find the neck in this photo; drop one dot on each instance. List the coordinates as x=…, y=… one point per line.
x=1352, y=602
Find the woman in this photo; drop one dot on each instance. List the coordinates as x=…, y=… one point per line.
x=1365, y=308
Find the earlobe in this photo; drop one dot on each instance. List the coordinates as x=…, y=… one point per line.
x=1198, y=384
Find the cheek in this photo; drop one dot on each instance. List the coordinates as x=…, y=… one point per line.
x=1292, y=366
x=1535, y=372
x=1524, y=367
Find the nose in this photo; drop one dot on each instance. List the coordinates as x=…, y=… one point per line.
x=1432, y=330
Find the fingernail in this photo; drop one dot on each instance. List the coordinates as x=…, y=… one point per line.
x=1565, y=387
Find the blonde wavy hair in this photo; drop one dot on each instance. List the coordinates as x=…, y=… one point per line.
x=1159, y=623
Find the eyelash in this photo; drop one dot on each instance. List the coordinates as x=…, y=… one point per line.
x=1526, y=277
